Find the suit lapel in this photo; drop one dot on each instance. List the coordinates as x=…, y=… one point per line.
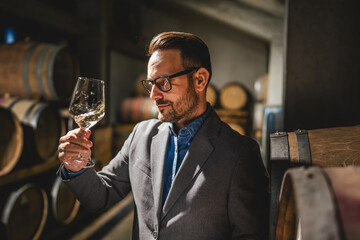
x=199, y=152
x=158, y=154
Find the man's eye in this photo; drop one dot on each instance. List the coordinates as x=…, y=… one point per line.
x=162, y=81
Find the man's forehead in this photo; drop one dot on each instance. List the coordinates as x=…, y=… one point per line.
x=164, y=55
x=164, y=60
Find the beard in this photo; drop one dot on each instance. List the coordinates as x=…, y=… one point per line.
x=181, y=110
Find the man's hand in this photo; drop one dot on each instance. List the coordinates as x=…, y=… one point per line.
x=74, y=149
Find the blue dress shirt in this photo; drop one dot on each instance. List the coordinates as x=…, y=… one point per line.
x=177, y=148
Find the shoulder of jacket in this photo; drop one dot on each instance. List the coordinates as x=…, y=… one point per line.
x=148, y=126
x=236, y=138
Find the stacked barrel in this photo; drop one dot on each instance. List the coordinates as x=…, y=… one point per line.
x=35, y=80
x=267, y=117
x=261, y=89
x=234, y=104
x=132, y=109
x=137, y=107
x=315, y=178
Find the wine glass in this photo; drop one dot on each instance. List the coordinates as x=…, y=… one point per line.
x=87, y=107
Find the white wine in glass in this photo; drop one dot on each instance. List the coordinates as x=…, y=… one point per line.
x=87, y=106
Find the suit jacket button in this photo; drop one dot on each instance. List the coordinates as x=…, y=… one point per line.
x=155, y=234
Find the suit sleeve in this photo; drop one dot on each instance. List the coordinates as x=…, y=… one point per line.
x=98, y=191
x=249, y=196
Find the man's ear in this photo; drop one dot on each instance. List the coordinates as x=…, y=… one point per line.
x=201, y=78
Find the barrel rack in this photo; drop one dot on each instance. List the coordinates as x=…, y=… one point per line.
x=27, y=172
x=52, y=230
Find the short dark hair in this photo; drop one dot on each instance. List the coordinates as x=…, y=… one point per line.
x=194, y=52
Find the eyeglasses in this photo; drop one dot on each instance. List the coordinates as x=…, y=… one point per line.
x=163, y=82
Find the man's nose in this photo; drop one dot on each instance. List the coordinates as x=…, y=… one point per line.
x=155, y=93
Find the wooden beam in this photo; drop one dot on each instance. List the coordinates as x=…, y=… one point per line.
x=246, y=19
x=270, y=6
x=28, y=172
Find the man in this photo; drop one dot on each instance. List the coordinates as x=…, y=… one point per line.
x=191, y=175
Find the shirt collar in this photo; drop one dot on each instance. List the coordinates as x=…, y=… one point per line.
x=191, y=129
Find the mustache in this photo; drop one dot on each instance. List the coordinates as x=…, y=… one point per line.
x=159, y=102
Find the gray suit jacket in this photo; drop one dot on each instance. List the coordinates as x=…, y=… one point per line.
x=219, y=192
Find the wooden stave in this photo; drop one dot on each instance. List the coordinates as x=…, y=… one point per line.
x=11, y=154
x=237, y=92
x=36, y=127
x=284, y=155
x=9, y=64
x=140, y=91
x=258, y=115
x=323, y=200
x=321, y=139
x=261, y=88
x=71, y=213
x=102, y=138
x=212, y=95
x=301, y=192
x=345, y=183
x=133, y=110
x=7, y=217
x=258, y=120
x=36, y=69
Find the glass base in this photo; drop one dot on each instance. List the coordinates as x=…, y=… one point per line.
x=89, y=163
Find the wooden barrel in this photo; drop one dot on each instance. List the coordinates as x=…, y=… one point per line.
x=212, y=95
x=326, y=147
x=140, y=91
x=237, y=120
x=238, y=128
x=258, y=115
x=102, y=138
x=11, y=140
x=33, y=70
x=64, y=204
x=320, y=204
x=234, y=96
x=133, y=110
x=261, y=88
x=24, y=213
x=68, y=121
x=41, y=124
x=272, y=122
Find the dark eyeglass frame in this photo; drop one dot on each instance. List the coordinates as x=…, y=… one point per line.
x=186, y=71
